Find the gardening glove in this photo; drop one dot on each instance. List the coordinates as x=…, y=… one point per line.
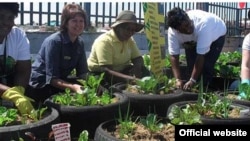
x=242, y=95
x=16, y=95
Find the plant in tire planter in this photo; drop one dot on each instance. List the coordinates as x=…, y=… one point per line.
x=86, y=111
x=227, y=69
x=242, y=96
x=209, y=109
x=150, y=95
x=150, y=127
x=13, y=126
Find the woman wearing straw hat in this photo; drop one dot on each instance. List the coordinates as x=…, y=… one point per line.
x=116, y=53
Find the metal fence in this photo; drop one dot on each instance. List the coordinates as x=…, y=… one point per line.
x=103, y=14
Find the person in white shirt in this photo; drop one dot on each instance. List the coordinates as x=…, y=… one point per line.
x=15, y=59
x=202, y=35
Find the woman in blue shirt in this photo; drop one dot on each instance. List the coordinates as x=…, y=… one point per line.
x=60, y=54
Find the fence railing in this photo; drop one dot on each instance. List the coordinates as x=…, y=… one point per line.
x=103, y=14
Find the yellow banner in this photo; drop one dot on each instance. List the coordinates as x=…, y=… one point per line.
x=155, y=32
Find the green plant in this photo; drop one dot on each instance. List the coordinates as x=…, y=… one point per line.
x=229, y=57
x=10, y=116
x=126, y=124
x=84, y=136
x=37, y=114
x=128, y=127
x=209, y=104
x=228, y=65
x=151, y=123
x=146, y=60
x=244, y=88
x=186, y=116
x=153, y=85
x=7, y=115
x=89, y=96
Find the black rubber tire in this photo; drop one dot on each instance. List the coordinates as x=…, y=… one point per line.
x=189, y=96
x=102, y=130
x=242, y=102
x=244, y=120
x=102, y=135
x=89, y=117
x=143, y=104
x=40, y=128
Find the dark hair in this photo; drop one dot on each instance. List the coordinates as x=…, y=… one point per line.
x=67, y=15
x=175, y=17
x=12, y=6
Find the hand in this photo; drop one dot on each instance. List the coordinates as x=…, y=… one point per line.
x=179, y=84
x=78, y=89
x=16, y=95
x=188, y=85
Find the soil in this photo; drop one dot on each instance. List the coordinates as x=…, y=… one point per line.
x=142, y=133
x=232, y=97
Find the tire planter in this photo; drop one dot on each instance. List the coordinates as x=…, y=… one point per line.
x=143, y=104
x=244, y=119
x=189, y=96
x=89, y=117
x=40, y=128
x=237, y=101
x=104, y=129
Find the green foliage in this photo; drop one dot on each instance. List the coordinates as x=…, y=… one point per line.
x=245, y=88
x=146, y=59
x=89, y=95
x=7, y=115
x=229, y=57
x=37, y=114
x=84, y=136
x=151, y=123
x=153, y=85
x=126, y=124
x=185, y=116
x=228, y=65
x=209, y=105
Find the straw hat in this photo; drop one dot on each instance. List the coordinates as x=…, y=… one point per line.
x=127, y=17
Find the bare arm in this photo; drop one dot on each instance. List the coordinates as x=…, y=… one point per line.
x=118, y=74
x=175, y=66
x=61, y=84
x=245, y=64
x=198, y=66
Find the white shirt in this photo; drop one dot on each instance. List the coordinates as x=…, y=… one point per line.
x=207, y=28
x=246, y=42
x=17, y=45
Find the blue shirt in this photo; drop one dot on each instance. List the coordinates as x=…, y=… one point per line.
x=57, y=57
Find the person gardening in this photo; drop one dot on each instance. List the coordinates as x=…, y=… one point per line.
x=202, y=36
x=15, y=59
x=115, y=52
